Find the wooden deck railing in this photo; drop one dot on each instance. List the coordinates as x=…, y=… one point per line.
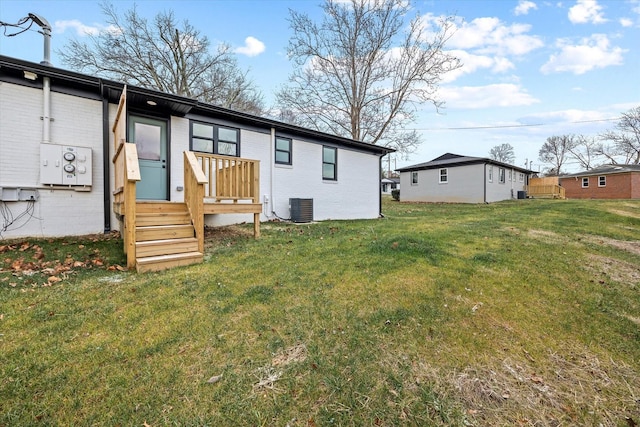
x=194, y=182
x=549, y=190
x=126, y=175
x=230, y=178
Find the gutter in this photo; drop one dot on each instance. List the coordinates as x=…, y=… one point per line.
x=485, y=183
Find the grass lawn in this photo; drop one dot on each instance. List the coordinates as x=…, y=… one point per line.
x=518, y=313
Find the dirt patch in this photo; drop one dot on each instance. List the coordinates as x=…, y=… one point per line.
x=625, y=213
x=629, y=246
x=565, y=388
x=616, y=270
x=547, y=236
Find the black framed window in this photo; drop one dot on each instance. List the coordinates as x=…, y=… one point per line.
x=501, y=175
x=215, y=139
x=329, y=163
x=283, y=150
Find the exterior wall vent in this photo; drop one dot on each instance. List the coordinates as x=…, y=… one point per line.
x=301, y=210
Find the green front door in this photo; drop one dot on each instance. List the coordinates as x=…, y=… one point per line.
x=150, y=137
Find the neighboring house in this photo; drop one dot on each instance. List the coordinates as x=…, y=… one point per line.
x=389, y=184
x=76, y=154
x=453, y=178
x=604, y=182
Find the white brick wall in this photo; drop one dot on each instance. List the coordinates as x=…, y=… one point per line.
x=76, y=121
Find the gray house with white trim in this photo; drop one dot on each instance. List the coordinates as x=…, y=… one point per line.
x=452, y=178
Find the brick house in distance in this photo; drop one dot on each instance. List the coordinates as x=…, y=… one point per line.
x=604, y=182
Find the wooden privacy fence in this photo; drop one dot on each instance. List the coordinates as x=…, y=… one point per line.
x=545, y=187
x=230, y=178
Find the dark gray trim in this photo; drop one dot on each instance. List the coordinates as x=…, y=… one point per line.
x=106, y=172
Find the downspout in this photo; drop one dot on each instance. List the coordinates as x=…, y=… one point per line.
x=272, y=165
x=485, y=183
x=380, y=214
x=106, y=172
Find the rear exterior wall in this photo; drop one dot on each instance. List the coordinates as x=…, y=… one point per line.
x=618, y=186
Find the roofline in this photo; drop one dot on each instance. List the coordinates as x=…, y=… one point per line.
x=469, y=161
x=100, y=84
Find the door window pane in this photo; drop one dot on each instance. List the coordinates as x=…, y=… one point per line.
x=147, y=141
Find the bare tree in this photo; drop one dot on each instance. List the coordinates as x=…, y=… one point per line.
x=625, y=139
x=556, y=151
x=163, y=56
x=503, y=153
x=359, y=75
x=585, y=150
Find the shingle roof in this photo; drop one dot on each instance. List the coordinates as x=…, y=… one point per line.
x=605, y=170
x=452, y=160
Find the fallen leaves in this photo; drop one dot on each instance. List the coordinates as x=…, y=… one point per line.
x=33, y=264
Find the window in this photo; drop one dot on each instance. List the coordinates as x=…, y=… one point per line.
x=215, y=139
x=283, y=150
x=329, y=163
x=444, y=177
x=414, y=178
x=510, y=175
x=501, y=175
x=490, y=173
x=521, y=177
x=585, y=182
x=602, y=181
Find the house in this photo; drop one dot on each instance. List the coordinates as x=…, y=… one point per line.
x=604, y=182
x=389, y=184
x=452, y=178
x=80, y=154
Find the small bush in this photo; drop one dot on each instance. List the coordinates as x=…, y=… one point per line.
x=395, y=194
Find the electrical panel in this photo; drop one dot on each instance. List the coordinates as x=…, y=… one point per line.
x=65, y=165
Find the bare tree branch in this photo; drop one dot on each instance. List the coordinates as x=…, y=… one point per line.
x=362, y=73
x=164, y=56
x=503, y=153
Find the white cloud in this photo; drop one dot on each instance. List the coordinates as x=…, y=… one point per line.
x=80, y=28
x=524, y=6
x=591, y=53
x=491, y=36
x=496, y=95
x=626, y=22
x=252, y=47
x=472, y=63
x=586, y=11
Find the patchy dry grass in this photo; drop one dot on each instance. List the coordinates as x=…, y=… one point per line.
x=520, y=313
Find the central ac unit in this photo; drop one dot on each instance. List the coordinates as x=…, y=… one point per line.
x=301, y=210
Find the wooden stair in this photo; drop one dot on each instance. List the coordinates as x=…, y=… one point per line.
x=165, y=236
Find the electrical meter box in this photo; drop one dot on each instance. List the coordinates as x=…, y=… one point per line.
x=65, y=165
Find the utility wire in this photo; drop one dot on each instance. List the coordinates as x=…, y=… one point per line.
x=22, y=21
x=516, y=126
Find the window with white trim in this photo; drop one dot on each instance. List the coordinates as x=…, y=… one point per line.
x=585, y=182
x=521, y=177
x=414, y=178
x=602, y=181
x=444, y=176
x=490, y=173
x=501, y=175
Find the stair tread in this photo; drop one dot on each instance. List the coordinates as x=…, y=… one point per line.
x=160, y=242
x=161, y=258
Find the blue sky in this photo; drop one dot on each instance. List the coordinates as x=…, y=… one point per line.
x=532, y=69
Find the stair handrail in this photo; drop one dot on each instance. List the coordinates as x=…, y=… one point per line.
x=194, y=182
